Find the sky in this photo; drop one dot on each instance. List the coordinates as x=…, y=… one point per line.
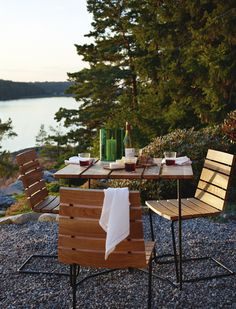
x=37, y=38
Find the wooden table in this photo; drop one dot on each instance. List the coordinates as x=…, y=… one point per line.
x=97, y=171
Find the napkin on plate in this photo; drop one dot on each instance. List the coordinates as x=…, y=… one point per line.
x=115, y=217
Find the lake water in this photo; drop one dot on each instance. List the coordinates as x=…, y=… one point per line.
x=27, y=115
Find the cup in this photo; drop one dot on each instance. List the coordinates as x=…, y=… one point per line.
x=84, y=158
x=130, y=164
x=170, y=157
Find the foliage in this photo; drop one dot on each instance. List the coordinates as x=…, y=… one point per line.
x=161, y=65
x=229, y=126
x=6, y=166
x=53, y=188
x=41, y=138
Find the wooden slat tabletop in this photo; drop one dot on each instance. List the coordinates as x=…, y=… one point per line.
x=96, y=171
x=70, y=171
x=122, y=174
x=176, y=172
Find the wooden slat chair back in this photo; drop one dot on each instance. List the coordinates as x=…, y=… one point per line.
x=31, y=175
x=215, y=179
x=82, y=240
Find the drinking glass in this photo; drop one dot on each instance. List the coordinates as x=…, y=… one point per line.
x=170, y=157
x=130, y=164
x=84, y=158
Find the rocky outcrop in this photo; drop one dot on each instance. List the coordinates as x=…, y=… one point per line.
x=27, y=217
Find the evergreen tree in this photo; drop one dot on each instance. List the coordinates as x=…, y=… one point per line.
x=159, y=64
x=6, y=131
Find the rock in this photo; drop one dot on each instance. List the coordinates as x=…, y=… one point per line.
x=5, y=220
x=48, y=218
x=26, y=217
x=48, y=176
x=6, y=200
x=14, y=188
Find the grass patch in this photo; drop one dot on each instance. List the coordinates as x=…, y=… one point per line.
x=21, y=206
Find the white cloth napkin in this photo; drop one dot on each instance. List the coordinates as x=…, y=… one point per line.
x=75, y=160
x=115, y=217
x=72, y=160
x=183, y=161
x=180, y=161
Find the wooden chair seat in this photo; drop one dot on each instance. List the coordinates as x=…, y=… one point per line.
x=50, y=204
x=190, y=208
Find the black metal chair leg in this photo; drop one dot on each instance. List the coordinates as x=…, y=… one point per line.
x=73, y=276
x=150, y=285
x=175, y=252
x=152, y=234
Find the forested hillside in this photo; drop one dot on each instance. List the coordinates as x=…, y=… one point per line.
x=16, y=90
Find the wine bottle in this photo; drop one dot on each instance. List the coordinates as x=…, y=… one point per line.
x=129, y=150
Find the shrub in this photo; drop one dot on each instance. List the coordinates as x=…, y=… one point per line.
x=191, y=143
x=229, y=126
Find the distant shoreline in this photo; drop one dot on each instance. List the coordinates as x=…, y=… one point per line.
x=10, y=90
x=38, y=97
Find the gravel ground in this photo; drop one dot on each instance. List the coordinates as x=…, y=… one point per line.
x=120, y=289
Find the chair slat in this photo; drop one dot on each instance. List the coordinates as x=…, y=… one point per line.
x=31, y=178
x=220, y=156
x=210, y=199
x=92, y=211
x=215, y=178
x=37, y=197
x=202, y=185
x=30, y=166
x=219, y=167
x=88, y=198
x=201, y=207
x=27, y=156
x=35, y=187
x=92, y=228
x=84, y=243
x=96, y=259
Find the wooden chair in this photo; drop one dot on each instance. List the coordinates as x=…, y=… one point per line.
x=82, y=241
x=35, y=188
x=37, y=196
x=209, y=200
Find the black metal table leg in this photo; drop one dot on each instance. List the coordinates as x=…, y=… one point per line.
x=180, y=233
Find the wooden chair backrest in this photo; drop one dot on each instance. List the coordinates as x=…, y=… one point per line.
x=32, y=177
x=214, y=181
x=81, y=239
